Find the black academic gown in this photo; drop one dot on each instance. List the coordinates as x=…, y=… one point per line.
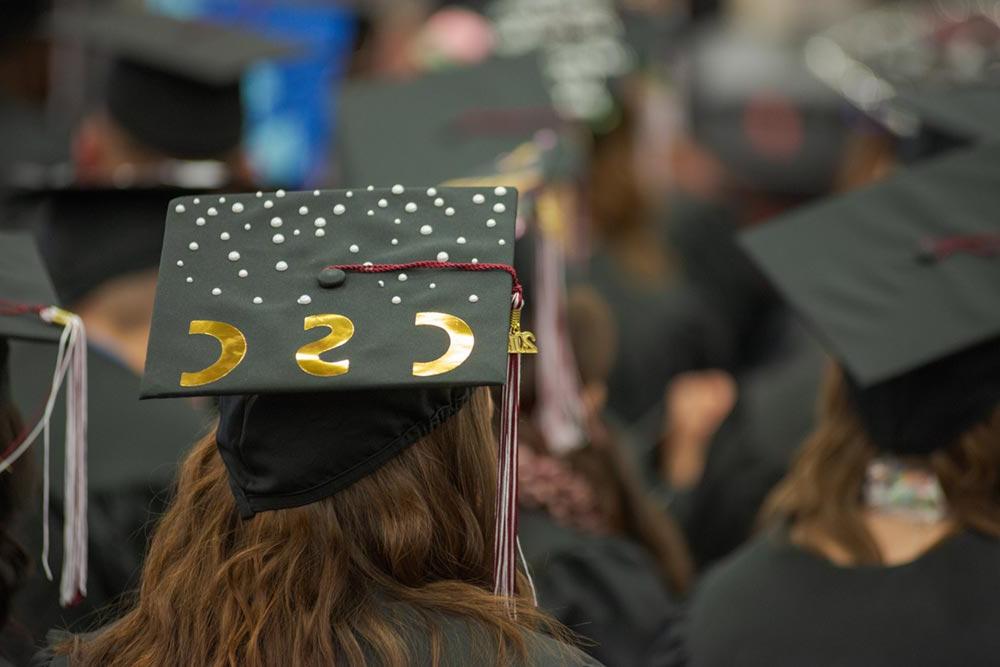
x=605, y=589
x=463, y=645
x=773, y=604
x=134, y=449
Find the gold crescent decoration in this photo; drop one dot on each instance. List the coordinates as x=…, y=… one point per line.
x=234, y=348
x=460, y=343
x=307, y=356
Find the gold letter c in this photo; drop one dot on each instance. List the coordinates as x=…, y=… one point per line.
x=234, y=348
x=460, y=343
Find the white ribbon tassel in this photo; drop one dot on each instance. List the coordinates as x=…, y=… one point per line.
x=71, y=369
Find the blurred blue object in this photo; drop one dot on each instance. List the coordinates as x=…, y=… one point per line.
x=290, y=105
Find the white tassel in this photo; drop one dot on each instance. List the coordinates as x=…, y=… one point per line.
x=71, y=368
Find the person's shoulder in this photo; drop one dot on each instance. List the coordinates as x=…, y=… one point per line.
x=754, y=566
x=543, y=650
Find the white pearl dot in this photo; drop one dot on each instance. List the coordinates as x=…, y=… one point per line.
x=426, y=230
x=279, y=193
x=213, y=211
x=491, y=223
x=439, y=202
x=394, y=242
x=276, y=222
x=281, y=266
x=475, y=261
x=243, y=273
x=320, y=232
x=370, y=188
x=224, y=236
x=320, y=222
x=349, y=194
x=216, y=291
x=303, y=210
x=371, y=212
x=258, y=300
x=382, y=203
x=449, y=211
x=473, y=298
x=222, y=200
x=180, y=208
x=410, y=207
x=189, y=279
x=278, y=238
x=234, y=256
x=193, y=245
x=396, y=300
x=305, y=299
x=200, y=222
x=442, y=256
x=500, y=191
x=354, y=248
x=432, y=285
x=381, y=283
x=295, y=232
x=478, y=198
x=499, y=208
x=402, y=277
x=502, y=242
x=197, y=200
x=268, y=204
x=237, y=207
x=247, y=226
x=431, y=192
x=397, y=189
x=339, y=209
x=397, y=221
x=259, y=194
x=315, y=193
x=367, y=264
x=460, y=240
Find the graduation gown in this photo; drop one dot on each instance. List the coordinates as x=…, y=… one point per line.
x=775, y=604
x=605, y=589
x=134, y=449
x=463, y=644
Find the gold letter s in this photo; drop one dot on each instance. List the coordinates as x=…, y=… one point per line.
x=460, y=343
x=307, y=357
x=234, y=348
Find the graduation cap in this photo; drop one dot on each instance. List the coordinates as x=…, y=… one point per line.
x=901, y=281
x=28, y=312
x=174, y=85
x=338, y=327
x=441, y=126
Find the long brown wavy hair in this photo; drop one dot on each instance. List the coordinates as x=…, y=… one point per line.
x=325, y=583
x=822, y=492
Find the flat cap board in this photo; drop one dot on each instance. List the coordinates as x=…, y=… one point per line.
x=966, y=112
x=254, y=265
x=25, y=282
x=857, y=267
x=441, y=126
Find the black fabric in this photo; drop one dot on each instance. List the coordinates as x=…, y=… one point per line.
x=907, y=415
x=24, y=283
x=327, y=441
x=175, y=115
x=774, y=604
x=606, y=589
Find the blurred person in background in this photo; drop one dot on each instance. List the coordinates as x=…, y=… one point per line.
x=883, y=542
x=169, y=115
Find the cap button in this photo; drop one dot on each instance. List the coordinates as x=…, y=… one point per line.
x=331, y=278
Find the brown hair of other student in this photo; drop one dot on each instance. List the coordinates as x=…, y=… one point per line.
x=822, y=492
x=311, y=585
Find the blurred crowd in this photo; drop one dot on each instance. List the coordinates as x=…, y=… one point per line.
x=698, y=479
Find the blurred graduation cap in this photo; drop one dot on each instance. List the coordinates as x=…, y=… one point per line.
x=339, y=327
x=28, y=311
x=443, y=125
x=901, y=281
x=754, y=104
x=173, y=85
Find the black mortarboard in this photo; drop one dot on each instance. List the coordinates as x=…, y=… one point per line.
x=428, y=316
x=28, y=311
x=901, y=280
x=443, y=125
x=174, y=85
